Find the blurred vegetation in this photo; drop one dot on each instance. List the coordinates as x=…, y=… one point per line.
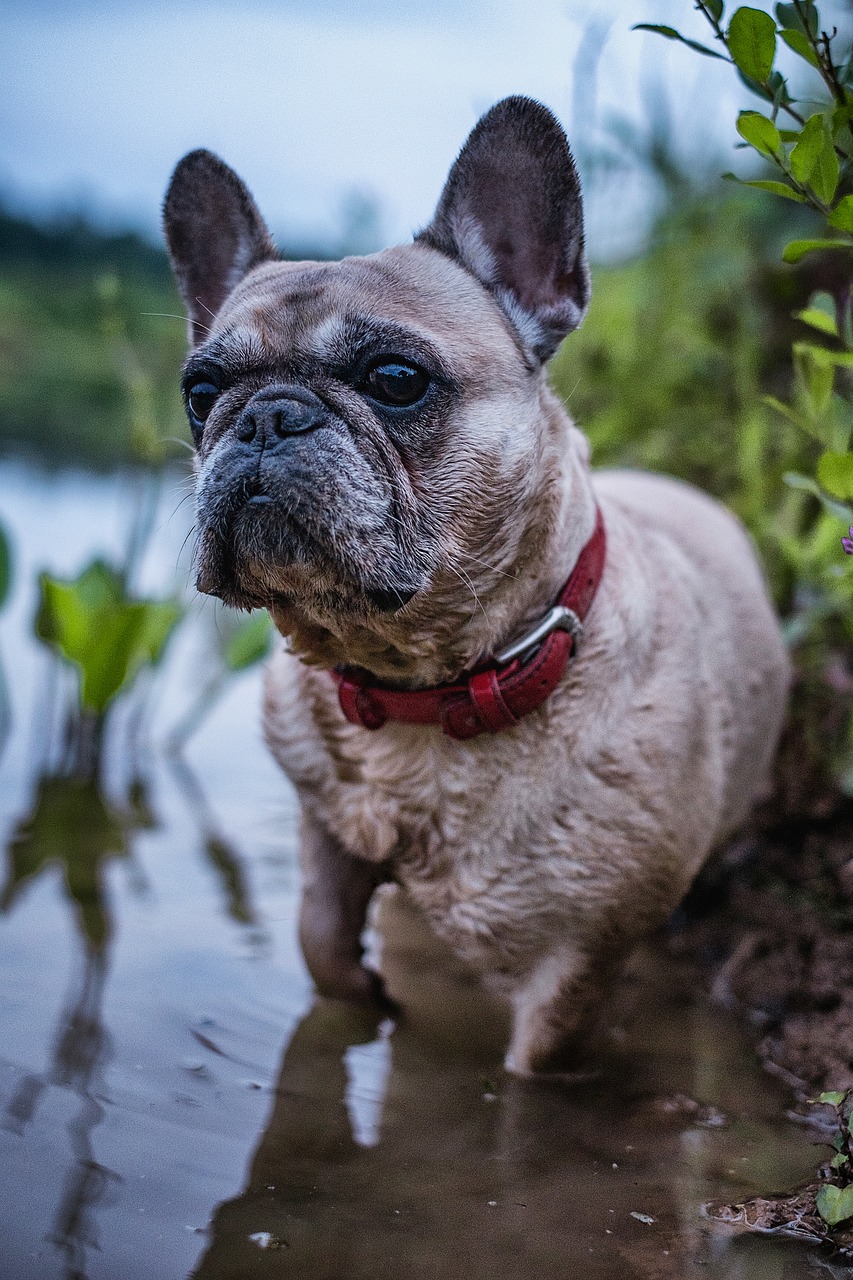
x=801, y=67
x=82, y=358
x=684, y=365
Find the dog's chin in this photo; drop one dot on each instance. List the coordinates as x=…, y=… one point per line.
x=264, y=562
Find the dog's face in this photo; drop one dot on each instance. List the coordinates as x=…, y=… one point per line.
x=376, y=447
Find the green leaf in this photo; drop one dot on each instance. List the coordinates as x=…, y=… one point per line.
x=5, y=566
x=835, y=474
x=797, y=249
x=824, y=177
x=835, y=1204
x=842, y=215
x=94, y=624
x=249, y=643
x=818, y=319
x=801, y=45
x=805, y=154
x=765, y=184
x=672, y=34
x=759, y=132
x=714, y=7
x=835, y=1097
x=839, y=1161
x=839, y=510
x=789, y=18
x=752, y=42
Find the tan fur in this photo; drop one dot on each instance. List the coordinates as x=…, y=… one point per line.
x=555, y=846
x=541, y=854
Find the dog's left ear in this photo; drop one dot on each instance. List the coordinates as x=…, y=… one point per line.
x=511, y=213
x=215, y=235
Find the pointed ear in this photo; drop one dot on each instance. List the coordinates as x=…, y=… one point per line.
x=511, y=213
x=214, y=233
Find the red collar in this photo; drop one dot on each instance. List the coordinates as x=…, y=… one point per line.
x=496, y=696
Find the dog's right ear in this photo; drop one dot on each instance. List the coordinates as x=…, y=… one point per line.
x=215, y=235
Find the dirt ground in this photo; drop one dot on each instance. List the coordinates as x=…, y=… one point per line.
x=770, y=919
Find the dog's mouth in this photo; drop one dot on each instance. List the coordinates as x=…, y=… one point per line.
x=265, y=546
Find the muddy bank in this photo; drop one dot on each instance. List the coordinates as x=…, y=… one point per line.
x=770, y=919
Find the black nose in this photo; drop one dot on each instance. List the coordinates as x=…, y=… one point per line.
x=277, y=412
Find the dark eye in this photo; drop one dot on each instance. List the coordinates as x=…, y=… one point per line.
x=201, y=398
x=395, y=383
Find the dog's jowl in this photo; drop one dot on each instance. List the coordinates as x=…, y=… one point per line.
x=533, y=696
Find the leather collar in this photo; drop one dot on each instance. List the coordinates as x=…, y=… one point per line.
x=495, y=696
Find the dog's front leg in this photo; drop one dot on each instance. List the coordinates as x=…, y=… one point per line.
x=336, y=893
x=556, y=1010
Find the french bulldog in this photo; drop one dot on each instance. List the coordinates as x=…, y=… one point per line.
x=533, y=696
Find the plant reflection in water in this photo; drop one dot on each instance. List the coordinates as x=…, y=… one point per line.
x=75, y=828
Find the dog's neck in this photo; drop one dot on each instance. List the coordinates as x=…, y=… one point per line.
x=434, y=640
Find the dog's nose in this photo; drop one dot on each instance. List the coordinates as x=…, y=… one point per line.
x=277, y=412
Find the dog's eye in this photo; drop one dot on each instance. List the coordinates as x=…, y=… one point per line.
x=201, y=398
x=395, y=383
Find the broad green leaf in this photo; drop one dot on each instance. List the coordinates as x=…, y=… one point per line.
x=842, y=215
x=842, y=116
x=759, y=132
x=672, y=34
x=824, y=177
x=795, y=250
x=789, y=18
x=818, y=319
x=765, y=184
x=839, y=510
x=835, y=474
x=714, y=7
x=249, y=643
x=108, y=635
x=839, y=1161
x=5, y=566
x=834, y=1097
x=801, y=45
x=805, y=154
x=752, y=42
x=835, y=1204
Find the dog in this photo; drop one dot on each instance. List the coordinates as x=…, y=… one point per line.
x=533, y=696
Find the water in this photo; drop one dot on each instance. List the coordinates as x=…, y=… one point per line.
x=174, y=1103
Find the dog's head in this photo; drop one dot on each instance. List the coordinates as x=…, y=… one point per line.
x=380, y=462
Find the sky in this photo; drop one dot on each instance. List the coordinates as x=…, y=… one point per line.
x=321, y=106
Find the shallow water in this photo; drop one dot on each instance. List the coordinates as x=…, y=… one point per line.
x=174, y=1103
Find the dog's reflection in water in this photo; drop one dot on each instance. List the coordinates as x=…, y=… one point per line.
x=402, y=1150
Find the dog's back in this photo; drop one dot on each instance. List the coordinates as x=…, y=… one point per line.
x=740, y=650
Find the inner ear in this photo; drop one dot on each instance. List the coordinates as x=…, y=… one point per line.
x=215, y=235
x=511, y=213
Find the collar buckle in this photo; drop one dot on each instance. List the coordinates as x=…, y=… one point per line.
x=560, y=618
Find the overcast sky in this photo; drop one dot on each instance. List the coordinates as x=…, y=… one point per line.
x=312, y=101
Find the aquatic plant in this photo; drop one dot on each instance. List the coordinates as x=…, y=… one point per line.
x=108, y=634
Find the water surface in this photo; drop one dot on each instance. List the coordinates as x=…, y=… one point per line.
x=175, y=1103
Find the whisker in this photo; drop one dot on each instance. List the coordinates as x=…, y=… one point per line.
x=492, y=567
x=212, y=314
x=170, y=315
x=463, y=578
